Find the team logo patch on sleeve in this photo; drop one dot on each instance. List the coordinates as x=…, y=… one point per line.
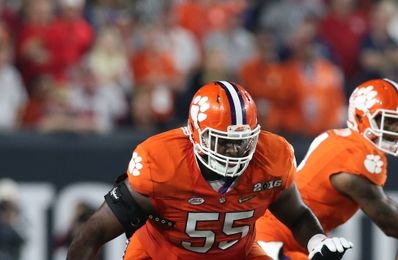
x=135, y=164
x=373, y=163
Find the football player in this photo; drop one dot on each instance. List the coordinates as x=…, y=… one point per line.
x=195, y=192
x=345, y=169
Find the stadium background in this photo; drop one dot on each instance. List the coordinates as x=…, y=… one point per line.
x=62, y=151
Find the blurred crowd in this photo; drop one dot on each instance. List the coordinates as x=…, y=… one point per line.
x=93, y=66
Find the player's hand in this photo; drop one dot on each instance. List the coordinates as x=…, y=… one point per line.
x=321, y=247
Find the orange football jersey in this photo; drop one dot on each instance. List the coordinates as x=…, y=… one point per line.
x=335, y=151
x=208, y=224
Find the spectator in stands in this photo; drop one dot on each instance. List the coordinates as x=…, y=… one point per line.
x=230, y=38
x=283, y=16
x=76, y=33
x=108, y=60
x=212, y=65
x=50, y=44
x=194, y=15
x=34, y=109
x=343, y=27
x=186, y=53
x=156, y=79
x=96, y=105
x=379, y=50
x=37, y=51
x=125, y=23
x=4, y=34
x=316, y=80
x=102, y=13
x=393, y=26
x=181, y=43
x=13, y=95
x=48, y=110
x=57, y=115
x=263, y=77
x=9, y=15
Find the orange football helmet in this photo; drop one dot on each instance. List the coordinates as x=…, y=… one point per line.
x=223, y=115
x=373, y=112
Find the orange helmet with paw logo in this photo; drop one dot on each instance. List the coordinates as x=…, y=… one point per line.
x=223, y=127
x=373, y=112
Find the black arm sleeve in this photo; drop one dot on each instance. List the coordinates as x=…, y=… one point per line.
x=125, y=208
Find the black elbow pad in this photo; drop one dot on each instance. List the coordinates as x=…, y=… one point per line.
x=126, y=209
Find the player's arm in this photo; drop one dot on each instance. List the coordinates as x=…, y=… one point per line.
x=124, y=210
x=100, y=228
x=291, y=210
x=371, y=199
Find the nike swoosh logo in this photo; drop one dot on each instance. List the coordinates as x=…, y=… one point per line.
x=244, y=199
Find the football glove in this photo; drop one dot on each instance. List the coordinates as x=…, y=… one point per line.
x=321, y=247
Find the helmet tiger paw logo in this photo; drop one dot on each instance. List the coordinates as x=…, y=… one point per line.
x=199, y=106
x=135, y=164
x=364, y=99
x=373, y=163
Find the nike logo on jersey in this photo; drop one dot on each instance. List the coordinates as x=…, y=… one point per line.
x=260, y=186
x=246, y=198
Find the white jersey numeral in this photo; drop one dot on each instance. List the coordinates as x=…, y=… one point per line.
x=209, y=236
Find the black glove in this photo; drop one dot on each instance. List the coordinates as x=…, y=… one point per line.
x=321, y=247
